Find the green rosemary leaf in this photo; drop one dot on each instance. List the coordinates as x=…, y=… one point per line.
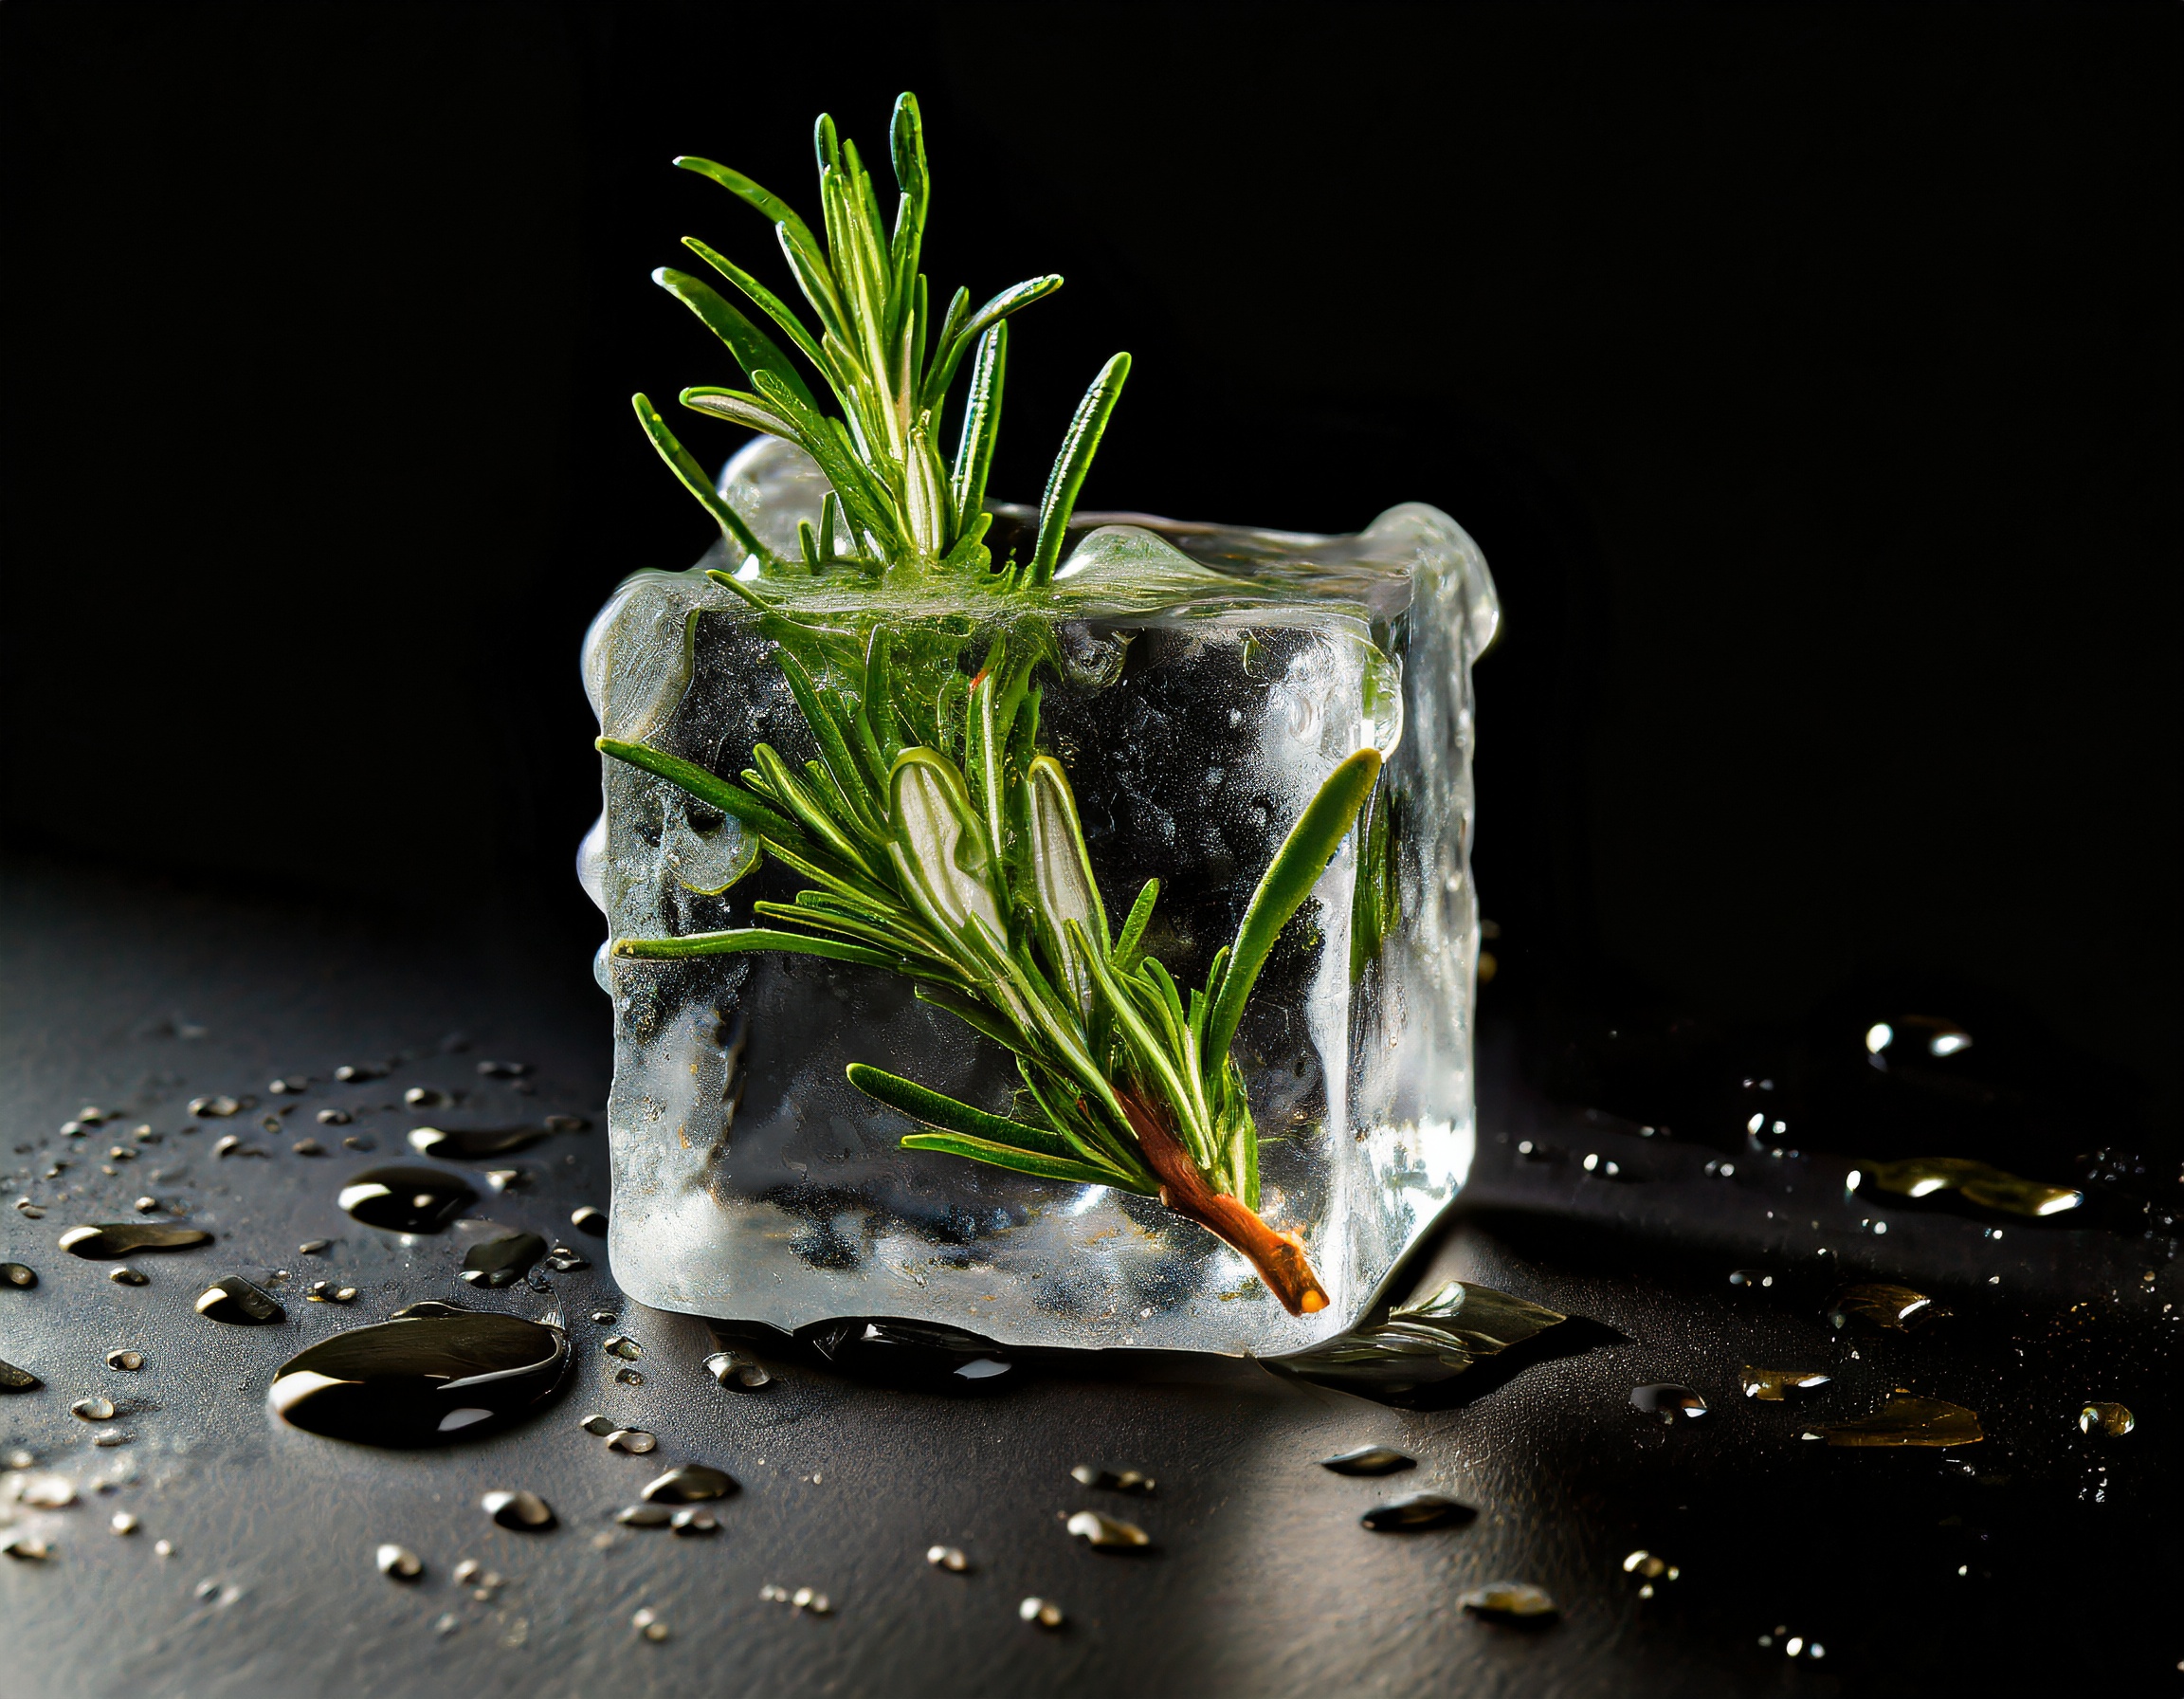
x=969, y=551
x=907, y=147
x=1022, y=1161
x=1072, y=463
x=879, y=937
x=808, y=540
x=827, y=143
x=1295, y=868
x=693, y=478
x=1154, y=1062
x=850, y=480
x=757, y=938
x=973, y=1014
x=879, y=709
x=925, y=496
x=833, y=745
x=981, y=422
x=754, y=351
x=808, y=808
x=939, y=849
x=760, y=296
x=922, y=322
x=909, y=1098
x=1067, y=1110
x=951, y=328
x=866, y=200
x=1126, y=947
x=1063, y=889
x=1009, y=301
x=715, y=793
x=814, y=277
x=822, y=868
x=832, y=525
x=775, y=209
x=896, y=922
x=737, y=408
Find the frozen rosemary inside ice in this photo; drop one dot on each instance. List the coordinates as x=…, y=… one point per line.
x=935, y=835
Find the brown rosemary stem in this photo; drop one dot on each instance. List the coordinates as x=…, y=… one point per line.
x=1279, y=1256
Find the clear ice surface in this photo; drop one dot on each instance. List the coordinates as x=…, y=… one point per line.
x=1216, y=677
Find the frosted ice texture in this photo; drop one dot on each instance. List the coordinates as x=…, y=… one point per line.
x=1218, y=677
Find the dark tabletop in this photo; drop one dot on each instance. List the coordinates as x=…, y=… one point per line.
x=2040, y=1555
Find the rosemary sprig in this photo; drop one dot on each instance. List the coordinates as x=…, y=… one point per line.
x=897, y=513
x=939, y=845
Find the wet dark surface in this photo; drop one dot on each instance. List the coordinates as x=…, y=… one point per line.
x=2043, y=1554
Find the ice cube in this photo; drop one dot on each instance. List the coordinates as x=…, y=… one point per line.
x=1211, y=680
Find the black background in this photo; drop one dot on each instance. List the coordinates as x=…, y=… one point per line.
x=1809, y=374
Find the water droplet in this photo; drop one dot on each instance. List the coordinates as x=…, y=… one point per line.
x=1416, y=1512
x=407, y=1199
x=630, y=1378
x=1754, y=1278
x=623, y=1345
x=503, y=1070
x=110, y=1239
x=599, y=1425
x=162, y=1548
x=644, y=1516
x=17, y=1274
x=333, y=1118
x=2115, y=1420
x=213, y=1107
x=398, y=1563
x=589, y=1219
x=47, y=1492
x=635, y=1441
x=690, y=1484
x=26, y=1547
x=446, y=1624
x=424, y=1097
x=733, y=1371
x=1368, y=1460
x=111, y=1436
x=1649, y=1566
x=566, y=1123
x=950, y=1557
x=128, y=1277
x=122, y=1521
x=1896, y=1307
x=646, y=1621
x=1666, y=1401
x=1107, y=1532
x=503, y=1261
x=1045, y=1611
x=93, y=1410
x=422, y=1377
x=472, y=1146
x=1771, y=1386
x=326, y=1291
x=312, y=1246
x=350, y=1141
x=1906, y=1419
x=351, y=1073
x=1992, y=1188
x=146, y=1205
x=985, y=1368
x=308, y=1147
x=1113, y=1480
x=524, y=1511
x=808, y=1599
x=602, y=1318
x=15, y=1380
x=1517, y=1603
x=563, y=1261
x=695, y=1522
x=234, y=1300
